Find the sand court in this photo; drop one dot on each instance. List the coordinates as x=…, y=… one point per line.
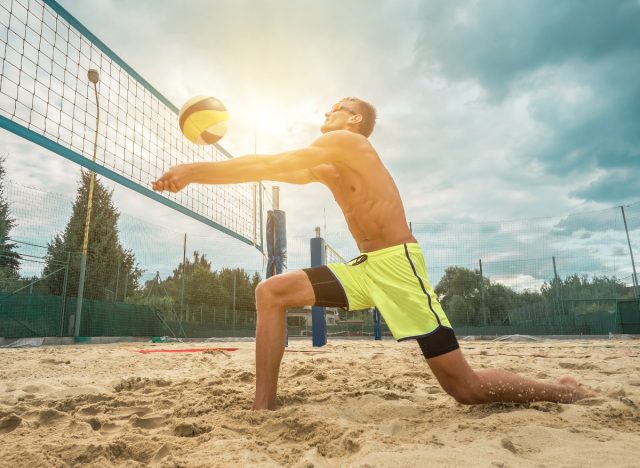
x=351, y=403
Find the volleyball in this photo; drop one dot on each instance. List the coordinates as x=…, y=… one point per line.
x=203, y=120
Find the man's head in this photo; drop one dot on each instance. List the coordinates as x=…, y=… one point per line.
x=351, y=114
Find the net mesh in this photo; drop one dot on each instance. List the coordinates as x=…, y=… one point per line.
x=45, y=55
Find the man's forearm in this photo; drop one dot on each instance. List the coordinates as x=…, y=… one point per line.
x=250, y=168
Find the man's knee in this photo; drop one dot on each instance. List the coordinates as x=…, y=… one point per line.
x=266, y=293
x=464, y=395
x=287, y=290
x=466, y=392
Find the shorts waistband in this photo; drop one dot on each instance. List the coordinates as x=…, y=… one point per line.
x=394, y=249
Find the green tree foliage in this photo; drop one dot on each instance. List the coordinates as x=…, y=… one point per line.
x=467, y=298
x=9, y=258
x=224, y=296
x=111, y=269
x=582, y=287
x=460, y=294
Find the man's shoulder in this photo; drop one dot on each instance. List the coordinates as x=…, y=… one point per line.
x=341, y=137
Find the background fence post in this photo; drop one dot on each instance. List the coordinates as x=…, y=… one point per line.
x=377, y=325
x=484, y=307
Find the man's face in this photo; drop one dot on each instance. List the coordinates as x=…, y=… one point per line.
x=338, y=118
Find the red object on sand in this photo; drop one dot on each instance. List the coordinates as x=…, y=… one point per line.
x=188, y=350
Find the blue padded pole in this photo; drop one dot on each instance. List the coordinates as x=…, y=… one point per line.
x=277, y=244
x=318, y=321
x=377, y=325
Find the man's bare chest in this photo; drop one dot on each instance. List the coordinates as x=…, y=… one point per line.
x=341, y=181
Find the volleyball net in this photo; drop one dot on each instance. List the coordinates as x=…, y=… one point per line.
x=45, y=97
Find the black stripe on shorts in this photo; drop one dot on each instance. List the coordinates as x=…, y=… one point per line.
x=326, y=287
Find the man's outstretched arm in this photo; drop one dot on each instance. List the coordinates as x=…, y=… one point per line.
x=252, y=168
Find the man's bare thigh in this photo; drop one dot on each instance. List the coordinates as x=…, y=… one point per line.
x=293, y=289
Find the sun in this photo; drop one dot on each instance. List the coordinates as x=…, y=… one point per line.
x=269, y=121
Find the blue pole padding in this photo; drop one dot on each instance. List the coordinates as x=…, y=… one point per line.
x=276, y=242
x=377, y=324
x=318, y=320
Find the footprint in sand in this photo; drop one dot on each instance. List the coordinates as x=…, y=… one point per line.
x=595, y=401
x=89, y=410
x=190, y=430
x=153, y=422
x=95, y=424
x=9, y=423
x=44, y=417
x=162, y=453
x=577, y=365
x=124, y=413
x=108, y=428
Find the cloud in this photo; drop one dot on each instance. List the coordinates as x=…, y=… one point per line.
x=498, y=43
x=612, y=187
x=575, y=63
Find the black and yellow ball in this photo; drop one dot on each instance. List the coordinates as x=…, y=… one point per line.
x=203, y=120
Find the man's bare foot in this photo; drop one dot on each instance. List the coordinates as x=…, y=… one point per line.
x=576, y=390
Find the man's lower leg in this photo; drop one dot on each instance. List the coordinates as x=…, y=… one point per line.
x=269, y=351
x=497, y=385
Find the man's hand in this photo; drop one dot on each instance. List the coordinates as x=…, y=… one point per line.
x=174, y=180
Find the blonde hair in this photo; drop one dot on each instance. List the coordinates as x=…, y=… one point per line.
x=368, y=113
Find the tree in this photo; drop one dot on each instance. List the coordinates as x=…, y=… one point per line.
x=204, y=293
x=468, y=298
x=111, y=269
x=460, y=296
x=9, y=258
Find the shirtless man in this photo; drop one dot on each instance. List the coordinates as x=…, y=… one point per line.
x=390, y=274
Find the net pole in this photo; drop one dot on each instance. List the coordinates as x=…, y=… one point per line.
x=318, y=319
x=277, y=244
x=94, y=78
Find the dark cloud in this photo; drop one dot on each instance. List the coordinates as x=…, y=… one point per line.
x=498, y=42
x=612, y=187
x=575, y=62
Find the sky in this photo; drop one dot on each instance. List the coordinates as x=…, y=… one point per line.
x=487, y=110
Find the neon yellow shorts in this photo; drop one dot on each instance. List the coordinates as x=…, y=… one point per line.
x=395, y=281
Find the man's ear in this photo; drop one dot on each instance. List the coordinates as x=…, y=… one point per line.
x=355, y=119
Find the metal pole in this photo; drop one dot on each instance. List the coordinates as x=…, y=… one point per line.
x=633, y=263
x=234, y=293
x=255, y=213
x=64, y=293
x=126, y=283
x=484, y=309
x=184, y=272
x=93, y=76
x=557, y=291
x=117, y=280
x=261, y=216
